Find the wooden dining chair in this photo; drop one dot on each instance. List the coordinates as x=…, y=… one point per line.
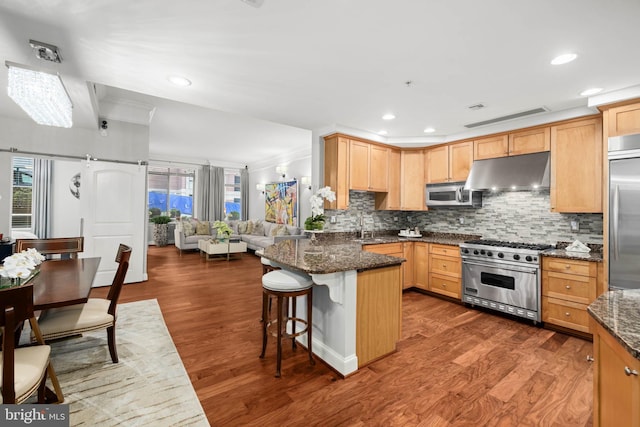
x=96, y=313
x=67, y=247
x=24, y=368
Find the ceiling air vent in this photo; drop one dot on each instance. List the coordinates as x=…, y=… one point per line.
x=508, y=117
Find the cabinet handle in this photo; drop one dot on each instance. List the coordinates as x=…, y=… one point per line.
x=444, y=285
x=628, y=372
x=567, y=314
x=568, y=287
x=589, y=358
x=567, y=267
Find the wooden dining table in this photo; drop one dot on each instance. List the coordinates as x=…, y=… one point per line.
x=61, y=283
x=64, y=282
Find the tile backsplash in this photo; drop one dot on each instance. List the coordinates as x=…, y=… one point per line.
x=515, y=216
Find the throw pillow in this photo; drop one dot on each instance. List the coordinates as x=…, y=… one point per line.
x=203, y=228
x=242, y=227
x=279, y=230
x=258, y=228
x=188, y=228
x=250, y=227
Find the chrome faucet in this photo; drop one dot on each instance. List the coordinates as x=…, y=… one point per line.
x=361, y=225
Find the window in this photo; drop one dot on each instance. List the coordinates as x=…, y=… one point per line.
x=21, y=213
x=232, y=201
x=170, y=191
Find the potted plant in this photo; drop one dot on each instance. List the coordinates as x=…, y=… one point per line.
x=160, y=229
x=223, y=231
x=316, y=221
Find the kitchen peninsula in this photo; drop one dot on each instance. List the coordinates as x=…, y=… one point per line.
x=357, y=299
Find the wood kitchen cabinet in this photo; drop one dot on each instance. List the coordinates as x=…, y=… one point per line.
x=616, y=385
x=336, y=170
x=391, y=199
x=513, y=144
x=624, y=120
x=409, y=271
x=412, y=180
x=568, y=287
x=394, y=249
x=368, y=166
x=576, y=166
x=421, y=265
x=445, y=270
x=449, y=163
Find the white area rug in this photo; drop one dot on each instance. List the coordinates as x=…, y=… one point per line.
x=148, y=387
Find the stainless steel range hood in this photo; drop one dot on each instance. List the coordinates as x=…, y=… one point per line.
x=523, y=172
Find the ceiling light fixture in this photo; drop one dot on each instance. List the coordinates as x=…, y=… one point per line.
x=40, y=94
x=388, y=116
x=429, y=130
x=179, y=81
x=563, y=59
x=591, y=91
x=382, y=132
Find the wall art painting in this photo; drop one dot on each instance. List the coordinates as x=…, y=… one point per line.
x=281, y=202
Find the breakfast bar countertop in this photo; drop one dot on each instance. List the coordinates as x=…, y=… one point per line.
x=316, y=257
x=619, y=313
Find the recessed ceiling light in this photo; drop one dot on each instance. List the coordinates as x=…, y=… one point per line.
x=429, y=130
x=382, y=132
x=388, y=116
x=591, y=91
x=563, y=59
x=179, y=81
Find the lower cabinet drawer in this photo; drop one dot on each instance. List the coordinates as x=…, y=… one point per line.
x=444, y=265
x=445, y=285
x=565, y=313
x=579, y=289
x=385, y=248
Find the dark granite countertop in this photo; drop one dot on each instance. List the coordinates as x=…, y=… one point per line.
x=559, y=252
x=428, y=237
x=323, y=257
x=619, y=313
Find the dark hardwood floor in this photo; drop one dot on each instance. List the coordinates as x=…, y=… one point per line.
x=454, y=366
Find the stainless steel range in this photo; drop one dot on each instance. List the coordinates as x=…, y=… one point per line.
x=503, y=276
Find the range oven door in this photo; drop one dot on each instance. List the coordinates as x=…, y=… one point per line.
x=516, y=286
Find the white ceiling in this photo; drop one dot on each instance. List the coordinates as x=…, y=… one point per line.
x=317, y=64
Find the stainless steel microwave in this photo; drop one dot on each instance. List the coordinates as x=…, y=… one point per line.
x=452, y=194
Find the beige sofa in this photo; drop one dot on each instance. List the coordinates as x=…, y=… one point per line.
x=189, y=231
x=257, y=234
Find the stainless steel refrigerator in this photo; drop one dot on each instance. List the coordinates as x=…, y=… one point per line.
x=624, y=212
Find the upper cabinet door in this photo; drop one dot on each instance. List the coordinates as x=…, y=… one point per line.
x=624, y=120
x=460, y=160
x=412, y=180
x=576, y=166
x=490, y=148
x=531, y=141
x=336, y=170
x=437, y=164
x=358, y=165
x=378, y=168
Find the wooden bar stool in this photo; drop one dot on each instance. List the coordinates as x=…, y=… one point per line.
x=284, y=284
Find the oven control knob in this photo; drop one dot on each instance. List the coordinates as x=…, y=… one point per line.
x=482, y=252
x=528, y=258
x=489, y=253
x=500, y=255
x=466, y=251
x=516, y=257
x=475, y=252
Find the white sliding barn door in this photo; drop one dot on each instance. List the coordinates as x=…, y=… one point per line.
x=113, y=207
